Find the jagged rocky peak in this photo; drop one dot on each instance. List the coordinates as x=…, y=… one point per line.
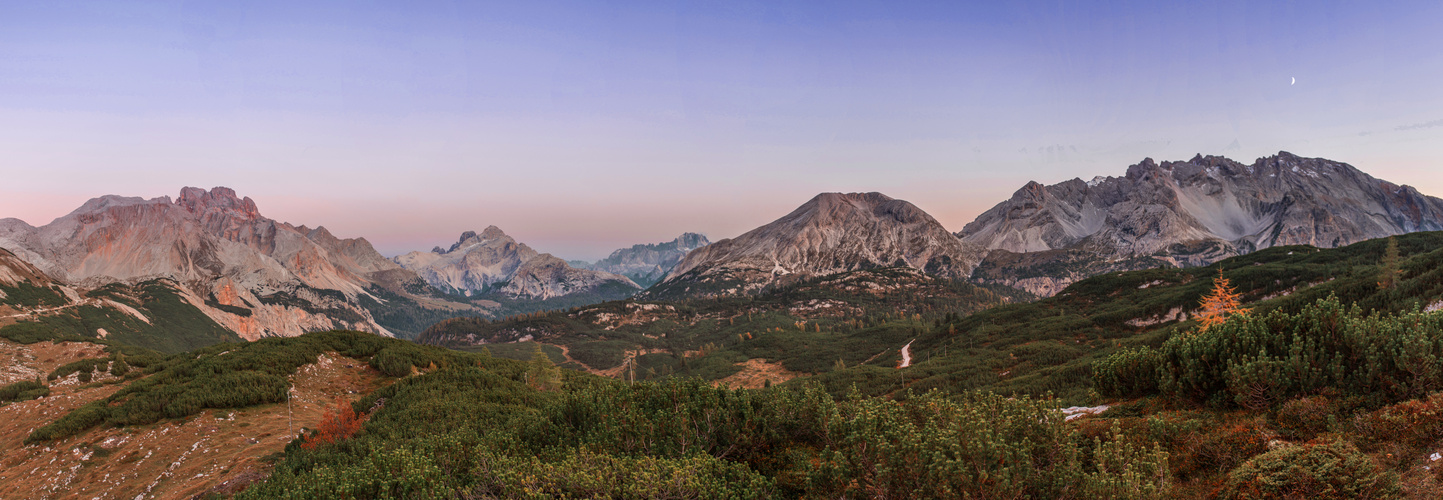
x=646, y=264
x=210, y=243
x=197, y=200
x=490, y=235
x=1202, y=210
x=691, y=241
x=492, y=262
x=831, y=233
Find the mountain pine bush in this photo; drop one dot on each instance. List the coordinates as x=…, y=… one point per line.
x=1325, y=470
x=1259, y=361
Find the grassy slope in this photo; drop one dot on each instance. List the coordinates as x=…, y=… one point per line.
x=175, y=325
x=1048, y=346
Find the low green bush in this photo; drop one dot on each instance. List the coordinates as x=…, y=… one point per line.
x=1260, y=361
x=23, y=390
x=1326, y=470
x=230, y=376
x=1303, y=419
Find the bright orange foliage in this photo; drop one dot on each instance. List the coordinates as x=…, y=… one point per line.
x=1224, y=301
x=340, y=423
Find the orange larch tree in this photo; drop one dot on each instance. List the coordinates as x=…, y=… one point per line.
x=1222, y=302
x=338, y=424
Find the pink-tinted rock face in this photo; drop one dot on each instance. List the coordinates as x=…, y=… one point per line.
x=492, y=262
x=832, y=233
x=215, y=243
x=1278, y=200
x=1200, y=211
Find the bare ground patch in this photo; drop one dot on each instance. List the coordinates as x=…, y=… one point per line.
x=217, y=450
x=755, y=374
x=26, y=362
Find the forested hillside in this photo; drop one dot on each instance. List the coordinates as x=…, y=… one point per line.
x=809, y=327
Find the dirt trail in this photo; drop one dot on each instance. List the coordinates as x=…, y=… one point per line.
x=181, y=458
x=33, y=312
x=566, y=353
x=907, y=354
x=619, y=370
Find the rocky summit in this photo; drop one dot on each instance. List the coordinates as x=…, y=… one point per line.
x=1188, y=213
x=250, y=274
x=496, y=265
x=648, y=264
x=832, y=233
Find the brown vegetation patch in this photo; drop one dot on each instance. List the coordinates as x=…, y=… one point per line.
x=218, y=451
x=26, y=362
x=755, y=374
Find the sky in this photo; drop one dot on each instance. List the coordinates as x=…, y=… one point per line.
x=582, y=127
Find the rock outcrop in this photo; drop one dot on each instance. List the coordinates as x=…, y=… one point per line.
x=830, y=234
x=1189, y=213
x=648, y=264
x=272, y=278
x=493, y=264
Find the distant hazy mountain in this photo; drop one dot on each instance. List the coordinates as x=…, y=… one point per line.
x=647, y=264
x=492, y=264
x=252, y=275
x=1188, y=213
x=830, y=234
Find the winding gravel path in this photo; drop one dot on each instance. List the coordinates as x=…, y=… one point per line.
x=907, y=354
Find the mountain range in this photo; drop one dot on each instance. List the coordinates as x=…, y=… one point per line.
x=237, y=272
x=492, y=264
x=1188, y=213
x=647, y=264
x=218, y=249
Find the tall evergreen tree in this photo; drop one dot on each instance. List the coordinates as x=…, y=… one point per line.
x=1388, y=276
x=543, y=374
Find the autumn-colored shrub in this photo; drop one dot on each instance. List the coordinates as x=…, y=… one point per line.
x=1219, y=449
x=1325, y=470
x=338, y=424
x=1414, y=423
x=1302, y=419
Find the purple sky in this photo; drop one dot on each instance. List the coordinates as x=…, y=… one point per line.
x=583, y=127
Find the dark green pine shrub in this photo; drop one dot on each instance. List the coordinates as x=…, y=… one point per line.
x=1326, y=470
x=1128, y=373
x=465, y=431
x=979, y=446
x=228, y=376
x=23, y=390
x=1260, y=361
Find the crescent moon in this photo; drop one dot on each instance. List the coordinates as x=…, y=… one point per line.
x=1295, y=81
